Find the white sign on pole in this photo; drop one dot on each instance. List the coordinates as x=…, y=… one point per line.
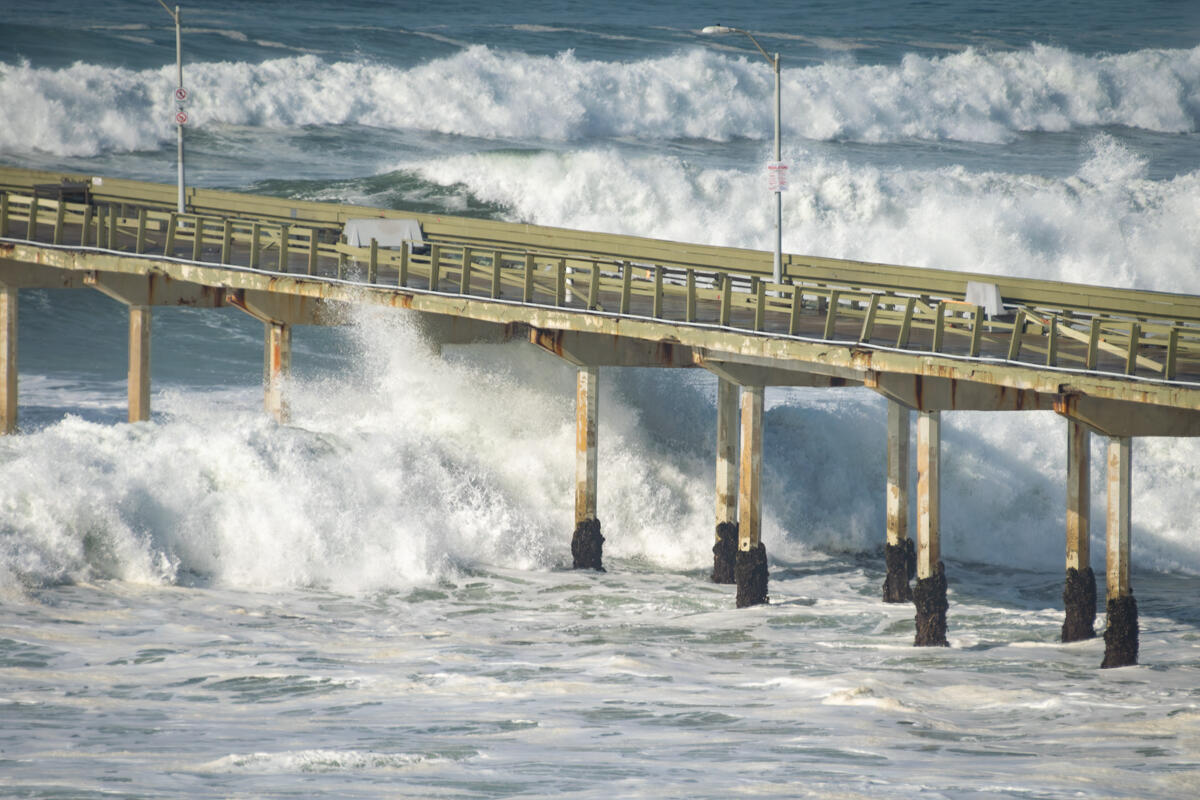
x=181, y=95
x=181, y=118
x=777, y=176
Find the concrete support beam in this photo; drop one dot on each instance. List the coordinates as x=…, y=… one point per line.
x=597, y=350
x=925, y=393
x=286, y=308
x=900, y=555
x=1121, y=633
x=139, y=363
x=587, y=542
x=929, y=595
x=726, y=546
x=1125, y=419
x=153, y=289
x=755, y=375
x=1079, y=591
x=750, y=570
x=277, y=367
x=443, y=329
x=8, y=359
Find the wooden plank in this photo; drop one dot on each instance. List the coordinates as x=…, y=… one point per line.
x=1169, y=363
x=626, y=285
x=1018, y=331
x=560, y=282
x=657, y=307
x=497, y=265
x=794, y=315
x=593, y=300
x=169, y=242
x=373, y=261
x=939, y=328
x=313, y=251
x=906, y=322
x=255, y=244
x=868, y=326
x=1052, y=343
x=831, y=315
x=760, y=305
x=689, y=314
x=1135, y=335
x=60, y=215
x=435, y=266
x=464, y=274
x=527, y=288
x=976, y=331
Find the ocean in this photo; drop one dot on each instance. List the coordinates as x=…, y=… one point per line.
x=375, y=600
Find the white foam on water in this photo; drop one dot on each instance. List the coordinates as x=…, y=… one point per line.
x=973, y=96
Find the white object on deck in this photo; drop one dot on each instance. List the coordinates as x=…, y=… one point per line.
x=389, y=233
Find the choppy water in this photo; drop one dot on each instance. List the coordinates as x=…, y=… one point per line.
x=373, y=601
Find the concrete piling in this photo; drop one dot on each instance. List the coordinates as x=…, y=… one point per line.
x=899, y=554
x=8, y=359
x=1079, y=590
x=750, y=569
x=139, y=363
x=277, y=366
x=587, y=543
x=725, y=548
x=929, y=595
x=1121, y=631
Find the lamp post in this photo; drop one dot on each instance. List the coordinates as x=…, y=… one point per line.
x=180, y=96
x=777, y=271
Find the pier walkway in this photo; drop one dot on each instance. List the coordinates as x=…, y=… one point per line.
x=1113, y=362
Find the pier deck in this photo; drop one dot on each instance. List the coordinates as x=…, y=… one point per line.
x=1119, y=363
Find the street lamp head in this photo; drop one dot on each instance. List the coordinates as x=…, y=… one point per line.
x=711, y=29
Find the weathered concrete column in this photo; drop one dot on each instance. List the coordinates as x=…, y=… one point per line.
x=1121, y=633
x=899, y=554
x=1079, y=591
x=139, y=363
x=587, y=543
x=750, y=569
x=929, y=595
x=726, y=547
x=277, y=367
x=8, y=359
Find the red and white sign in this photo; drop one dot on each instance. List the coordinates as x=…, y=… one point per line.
x=181, y=118
x=777, y=176
x=181, y=94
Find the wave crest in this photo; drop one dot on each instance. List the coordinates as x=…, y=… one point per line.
x=975, y=96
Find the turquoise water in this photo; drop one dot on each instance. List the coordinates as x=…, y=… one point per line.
x=373, y=601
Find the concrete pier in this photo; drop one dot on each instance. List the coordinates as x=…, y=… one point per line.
x=1121, y=631
x=929, y=595
x=139, y=363
x=899, y=553
x=725, y=548
x=8, y=359
x=1079, y=590
x=587, y=543
x=1115, y=362
x=750, y=569
x=277, y=367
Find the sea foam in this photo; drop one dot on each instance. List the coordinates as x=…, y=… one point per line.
x=973, y=96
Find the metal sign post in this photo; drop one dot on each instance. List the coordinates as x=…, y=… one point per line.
x=181, y=94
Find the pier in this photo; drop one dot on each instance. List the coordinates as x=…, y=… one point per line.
x=1113, y=363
